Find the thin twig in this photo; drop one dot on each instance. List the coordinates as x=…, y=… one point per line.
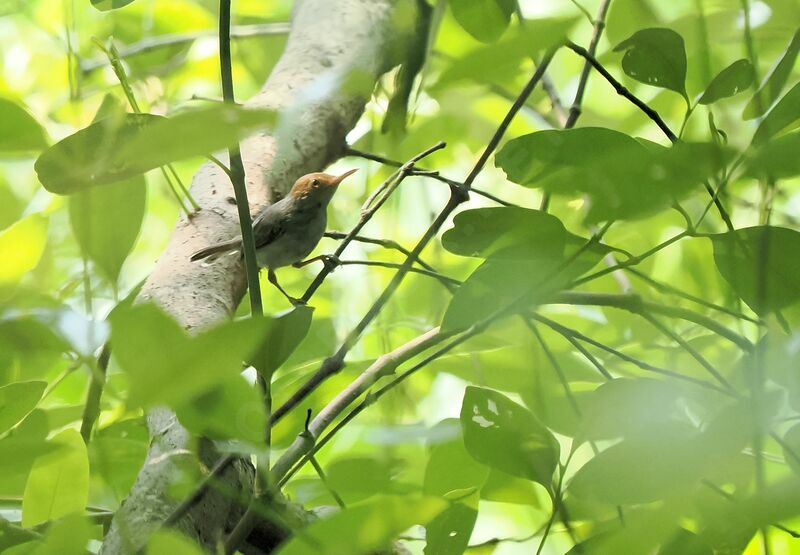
x=371, y=208
x=433, y=174
x=575, y=109
x=91, y=409
x=569, y=332
x=458, y=195
x=447, y=281
x=383, y=366
x=634, y=303
x=385, y=243
x=650, y=113
x=164, y=41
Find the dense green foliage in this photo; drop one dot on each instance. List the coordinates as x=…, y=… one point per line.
x=618, y=364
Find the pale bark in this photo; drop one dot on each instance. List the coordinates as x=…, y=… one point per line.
x=330, y=41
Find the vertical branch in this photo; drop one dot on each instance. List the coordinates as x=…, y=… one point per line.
x=236, y=167
x=575, y=109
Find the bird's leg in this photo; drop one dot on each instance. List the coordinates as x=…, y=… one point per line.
x=273, y=279
x=330, y=261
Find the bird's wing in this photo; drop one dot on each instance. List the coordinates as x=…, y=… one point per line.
x=266, y=228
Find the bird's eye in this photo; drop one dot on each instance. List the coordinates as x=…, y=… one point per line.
x=315, y=182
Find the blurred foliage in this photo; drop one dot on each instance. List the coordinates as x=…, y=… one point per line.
x=629, y=377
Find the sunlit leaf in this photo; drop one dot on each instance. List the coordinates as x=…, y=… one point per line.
x=19, y=453
x=233, y=409
x=106, y=222
x=761, y=264
x=449, y=532
x=777, y=158
x=665, y=460
x=773, y=85
x=791, y=447
x=485, y=20
x=500, y=284
x=19, y=132
x=21, y=247
x=117, y=148
x=68, y=536
x=173, y=542
x=284, y=333
x=450, y=468
x=358, y=478
x=729, y=82
x=185, y=366
x=504, y=488
x=786, y=113
x=364, y=528
x=501, y=60
x=656, y=57
x=106, y=5
x=58, y=484
x=504, y=435
x=623, y=177
x=510, y=232
x=628, y=406
x=17, y=400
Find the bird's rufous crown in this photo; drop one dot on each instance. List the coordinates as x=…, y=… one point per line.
x=317, y=180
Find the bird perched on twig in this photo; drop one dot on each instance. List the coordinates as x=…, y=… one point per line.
x=287, y=231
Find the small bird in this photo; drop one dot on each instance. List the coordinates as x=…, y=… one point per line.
x=287, y=231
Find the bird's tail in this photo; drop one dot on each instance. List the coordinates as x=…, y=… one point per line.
x=218, y=249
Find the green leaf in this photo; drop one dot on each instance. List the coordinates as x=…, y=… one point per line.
x=777, y=158
x=627, y=406
x=656, y=57
x=729, y=82
x=523, y=267
x=623, y=177
x=499, y=284
x=504, y=435
x=107, y=5
x=233, y=409
x=784, y=114
x=117, y=148
x=21, y=247
x=106, y=222
x=116, y=454
x=172, y=542
x=358, y=478
x=17, y=400
x=485, y=20
x=183, y=367
x=68, y=536
x=364, y=528
x=510, y=232
x=791, y=446
x=449, y=532
x=284, y=333
x=504, y=488
x=451, y=469
x=20, y=133
x=665, y=460
x=761, y=264
x=501, y=61
x=18, y=453
x=58, y=484
x=775, y=81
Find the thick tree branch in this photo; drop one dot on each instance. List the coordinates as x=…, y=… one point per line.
x=329, y=41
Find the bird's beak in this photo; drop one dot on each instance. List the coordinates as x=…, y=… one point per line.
x=337, y=180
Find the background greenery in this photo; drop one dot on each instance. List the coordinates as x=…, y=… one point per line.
x=650, y=409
